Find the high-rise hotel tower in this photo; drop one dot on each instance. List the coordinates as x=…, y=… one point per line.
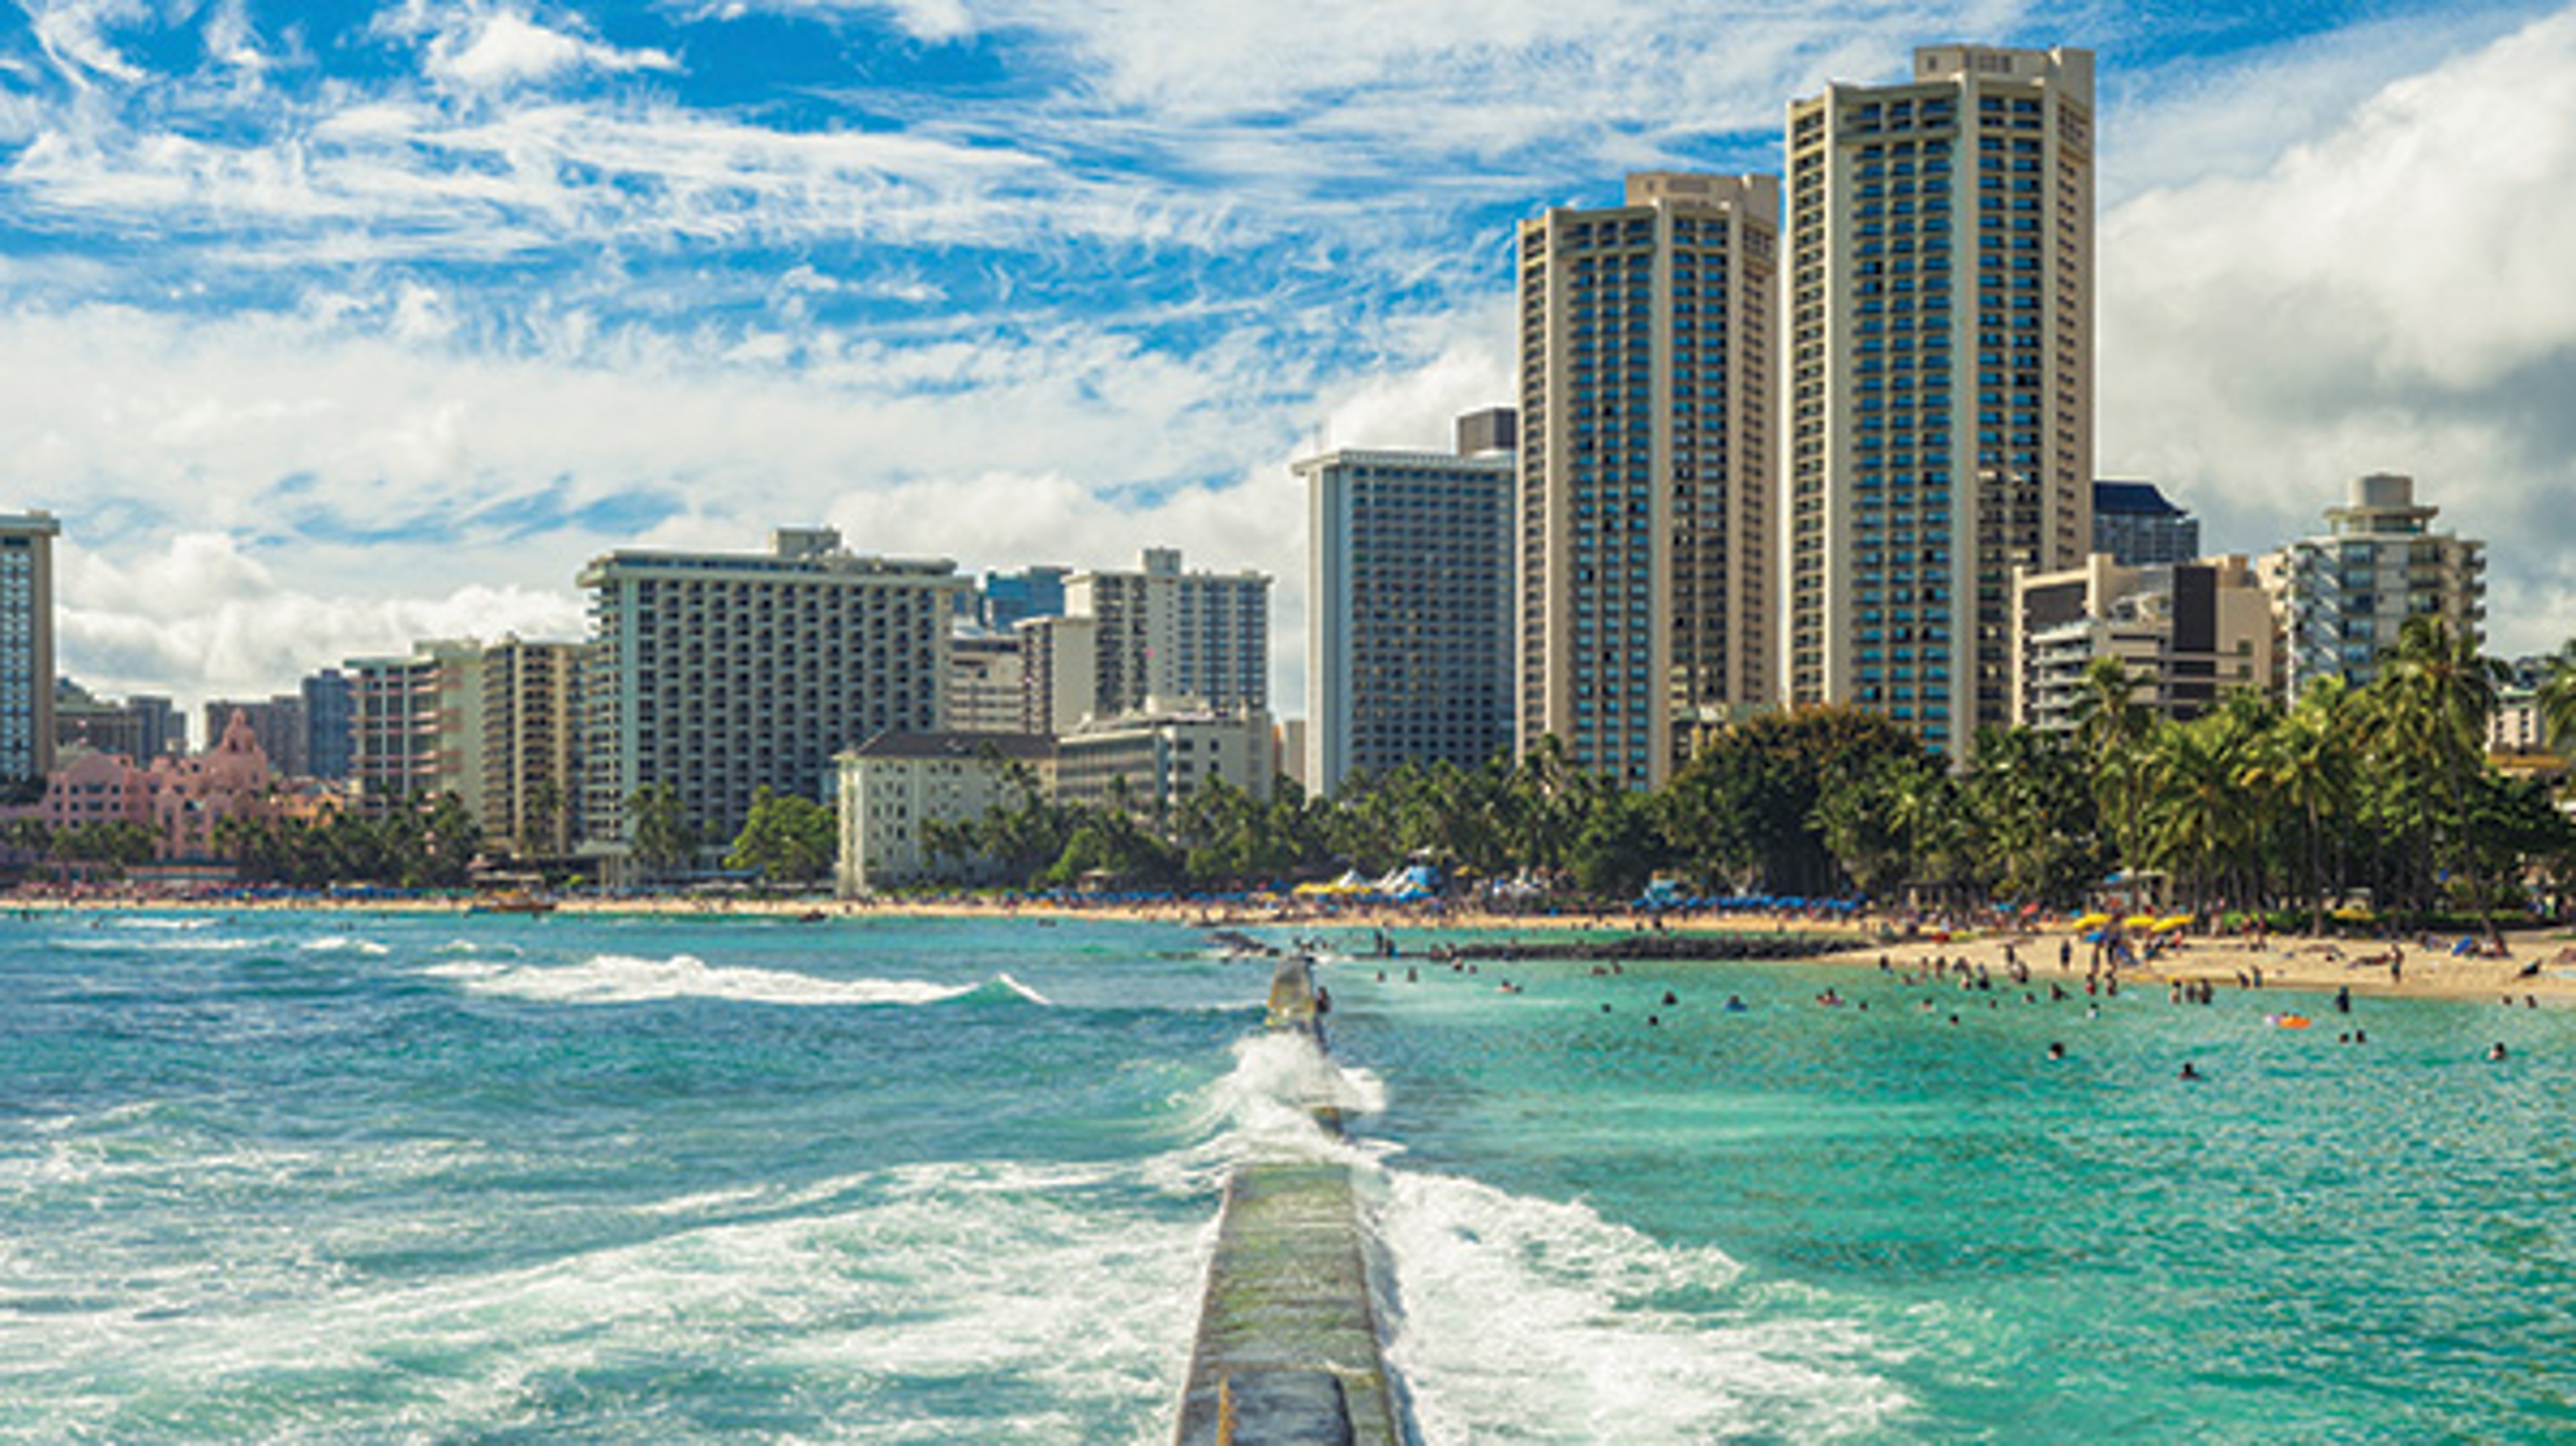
x=1940, y=376
x=1648, y=405
x=26, y=653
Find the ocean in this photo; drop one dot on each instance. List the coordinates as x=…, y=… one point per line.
x=341, y=1177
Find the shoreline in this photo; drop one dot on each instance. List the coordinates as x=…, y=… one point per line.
x=2286, y=963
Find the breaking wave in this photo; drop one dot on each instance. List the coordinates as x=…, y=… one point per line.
x=630, y=979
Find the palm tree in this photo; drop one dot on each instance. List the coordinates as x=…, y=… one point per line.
x=2111, y=724
x=2307, y=761
x=1543, y=804
x=2195, y=824
x=2032, y=818
x=2440, y=691
x=2556, y=699
x=661, y=833
x=541, y=831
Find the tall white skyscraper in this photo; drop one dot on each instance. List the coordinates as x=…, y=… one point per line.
x=1170, y=634
x=1940, y=381
x=1409, y=604
x=719, y=673
x=1648, y=409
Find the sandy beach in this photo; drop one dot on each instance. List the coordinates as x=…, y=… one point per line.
x=2539, y=965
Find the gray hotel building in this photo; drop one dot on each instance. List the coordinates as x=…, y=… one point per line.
x=1409, y=604
x=27, y=647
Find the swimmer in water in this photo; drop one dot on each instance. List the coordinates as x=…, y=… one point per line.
x=2056, y=1050
x=2188, y=1072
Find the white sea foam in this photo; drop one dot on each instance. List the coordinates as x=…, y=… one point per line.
x=164, y=943
x=630, y=979
x=1531, y=1320
x=880, y=1284
x=127, y=921
x=345, y=944
x=1265, y=1108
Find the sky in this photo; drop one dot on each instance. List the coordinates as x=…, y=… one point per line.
x=328, y=326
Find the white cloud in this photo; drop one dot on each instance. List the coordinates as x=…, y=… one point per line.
x=71, y=33
x=1296, y=182
x=365, y=181
x=312, y=479
x=934, y=21
x=2391, y=295
x=2235, y=115
x=201, y=619
x=231, y=40
x=482, y=49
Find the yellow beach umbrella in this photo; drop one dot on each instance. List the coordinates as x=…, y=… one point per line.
x=2176, y=921
x=2090, y=921
x=2139, y=921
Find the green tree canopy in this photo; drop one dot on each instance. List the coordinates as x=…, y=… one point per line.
x=786, y=837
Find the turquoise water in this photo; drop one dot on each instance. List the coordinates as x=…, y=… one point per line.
x=362, y=1178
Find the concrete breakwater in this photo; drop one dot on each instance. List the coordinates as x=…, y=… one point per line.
x=1288, y=1350
x=1677, y=944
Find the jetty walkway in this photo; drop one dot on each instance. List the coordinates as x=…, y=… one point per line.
x=1288, y=1352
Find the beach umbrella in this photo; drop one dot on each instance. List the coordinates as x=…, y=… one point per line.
x=2177, y=921
x=2090, y=921
x=2139, y=921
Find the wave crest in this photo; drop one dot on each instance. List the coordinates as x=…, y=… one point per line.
x=631, y=979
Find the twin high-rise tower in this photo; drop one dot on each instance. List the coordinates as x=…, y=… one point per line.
x=1940, y=417
x=1648, y=395
x=1836, y=432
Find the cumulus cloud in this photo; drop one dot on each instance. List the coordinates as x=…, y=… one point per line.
x=482, y=49
x=201, y=618
x=2390, y=296
x=303, y=473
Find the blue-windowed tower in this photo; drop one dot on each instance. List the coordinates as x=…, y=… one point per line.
x=1008, y=599
x=2136, y=525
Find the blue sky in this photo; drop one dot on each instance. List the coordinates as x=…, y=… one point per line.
x=331, y=325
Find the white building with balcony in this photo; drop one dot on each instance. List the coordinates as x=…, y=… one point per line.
x=2348, y=593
